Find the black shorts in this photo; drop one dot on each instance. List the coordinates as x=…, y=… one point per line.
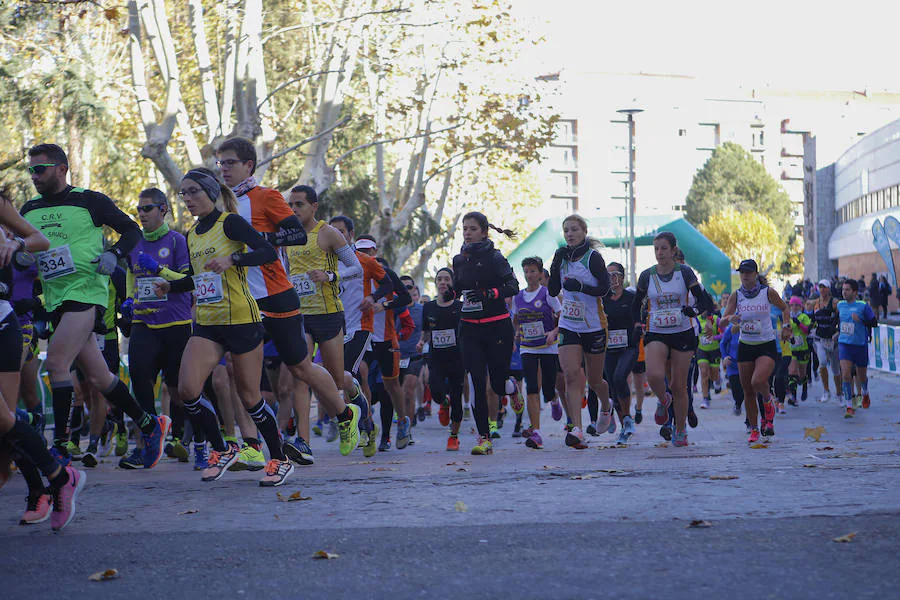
x=802, y=356
x=324, y=327
x=74, y=306
x=683, y=341
x=517, y=374
x=354, y=350
x=750, y=352
x=287, y=335
x=237, y=339
x=640, y=367
x=160, y=348
x=593, y=342
x=10, y=344
x=413, y=367
x=387, y=355
x=710, y=356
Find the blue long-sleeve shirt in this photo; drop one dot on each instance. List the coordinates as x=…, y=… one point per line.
x=728, y=346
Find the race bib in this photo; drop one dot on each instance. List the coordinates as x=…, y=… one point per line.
x=303, y=284
x=56, y=262
x=751, y=327
x=705, y=340
x=470, y=306
x=208, y=288
x=573, y=310
x=618, y=338
x=404, y=363
x=848, y=327
x=666, y=319
x=145, y=290
x=533, y=331
x=101, y=341
x=443, y=338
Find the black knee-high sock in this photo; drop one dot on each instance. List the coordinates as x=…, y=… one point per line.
x=117, y=416
x=204, y=419
x=62, y=392
x=593, y=405
x=177, y=411
x=31, y=474
x=31, y=445
x=387, y=415
x=267, y=425
x=118, y=395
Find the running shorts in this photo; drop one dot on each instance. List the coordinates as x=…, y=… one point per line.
x=324, y=327
x=287, y=334
x=237, y=339
x=857, y=354
x=750, y=352
x=592, y=342
x=683, y=341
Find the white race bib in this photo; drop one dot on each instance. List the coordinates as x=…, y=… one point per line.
x=533, y=331
x=705, y=340
x=145, y=291
x=470, y=306
x=208, y=288
x=848, y=327
x=751, y=327
x=665, y=319
x=404, y=363
x=443, y=338
x=56, y=262
x=101, y=341
x=618, y=338
x=303, y=284
x=573, y=310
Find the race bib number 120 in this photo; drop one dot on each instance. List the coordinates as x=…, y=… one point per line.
x=573, y=310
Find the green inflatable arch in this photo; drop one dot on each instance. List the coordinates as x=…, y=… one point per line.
x=711, y=264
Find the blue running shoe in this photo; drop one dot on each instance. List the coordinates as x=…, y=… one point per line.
x=61, y=456
x=402, y=433
x=135, y=460
x=156, y=441
x=627, y=431
x=201, y=456
x=298, y=451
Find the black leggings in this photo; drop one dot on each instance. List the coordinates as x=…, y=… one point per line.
x=780, y=377
x=618, y=367
x=446, y=378
x=547, y=381
x=486, y=349
x=151, y=351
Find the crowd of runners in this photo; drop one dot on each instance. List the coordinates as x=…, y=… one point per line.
x=262, y=305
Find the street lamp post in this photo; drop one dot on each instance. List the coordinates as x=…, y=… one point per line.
x=630, y=112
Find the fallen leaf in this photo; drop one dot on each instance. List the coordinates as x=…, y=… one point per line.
x=551, y=467
x=462, y=469
x=611, y=471
x=396, y=462
x=450, y=464
x=845, y=539
x=698, y=524
x=189, y=511
x=814, y=433
x=826, y=448
x=321, y=554
x=758, y=446
x=723, y=477
x=588, y=476
x=383, y=469
x=460, y=506
x=295, y=497
x=104, y=575
x=363, y=462
x=277, y=518
x=662, y=445
x=810, y=466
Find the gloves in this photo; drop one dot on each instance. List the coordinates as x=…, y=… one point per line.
x=474, y=296
x=561, y=253
x=127, y=308
x=26, y=305
x=572, y=285
x=448, y=295
x=689, y=311
x=148, y=264
x=42, y=329
x=106, y=263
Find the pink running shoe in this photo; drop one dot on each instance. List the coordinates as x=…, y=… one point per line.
x=662, y=410
x=65, y=497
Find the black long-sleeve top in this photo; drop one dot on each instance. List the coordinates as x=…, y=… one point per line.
x=480, y=266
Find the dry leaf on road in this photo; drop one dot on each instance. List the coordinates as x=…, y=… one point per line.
x=698, y=524
x=551, y=467
x=383, y=469
x=321, y=554
x=815, y=433
x=825, y=448
x=292, y=498
x=189, y=511
x=723, y=477
x=810, y=466
x=396, y=462
x=845, y=539
x=758, y=446
x=588, y=476
x=460, y=506
x=104, y=575
x=462, y=469
x=363, y=462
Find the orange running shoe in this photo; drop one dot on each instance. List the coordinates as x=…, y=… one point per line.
x=444, y=415
x=866, y=401
x=452, y=444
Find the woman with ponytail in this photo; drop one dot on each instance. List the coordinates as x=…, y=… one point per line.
x=483, y=279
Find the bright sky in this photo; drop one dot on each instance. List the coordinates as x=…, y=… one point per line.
x=823, y=44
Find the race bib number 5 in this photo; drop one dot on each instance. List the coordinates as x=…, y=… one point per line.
x=56, y=262
x=208, y=288
x=303, y=284
x=146, y=291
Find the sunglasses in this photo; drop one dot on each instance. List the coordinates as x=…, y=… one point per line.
x=229, y=162
x=148, y=207
x=39, y=169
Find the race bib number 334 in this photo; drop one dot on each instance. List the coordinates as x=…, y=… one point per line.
x=56, y=262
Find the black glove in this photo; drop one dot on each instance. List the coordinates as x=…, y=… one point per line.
x=689, y=311
x=795, y=320
x=638, y=331
x=473, y=296
x=561, y=253
x=449, y=294
x=25, y=305
x=572, y=285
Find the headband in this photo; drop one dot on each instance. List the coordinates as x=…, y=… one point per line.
x=209, y=183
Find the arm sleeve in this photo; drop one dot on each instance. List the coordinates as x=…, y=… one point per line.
x=555, y=306
x=598, y=269
x=407, y=325
x=185, y=283
x=261, y=251
x=119, y=281
x=554, y=286
x=869, y=317
x=640, y=293
x=704, y=300
x=401, y=296
x=349, y=259
x=129, y=283
x=105, y=212
x=290, y=233
x=510, y=285
x=380, y=276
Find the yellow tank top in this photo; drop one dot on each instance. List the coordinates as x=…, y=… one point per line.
x=315, y=298
x=222, y=299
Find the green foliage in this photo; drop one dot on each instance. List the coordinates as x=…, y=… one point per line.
x=746, y=234
x=733, y=178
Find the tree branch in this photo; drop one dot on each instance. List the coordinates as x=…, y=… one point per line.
x=322, y=133
x=391, y=141
x=289, y=82
x=290, y=28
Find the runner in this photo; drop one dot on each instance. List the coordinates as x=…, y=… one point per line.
x=483, y=279
x=411, y=362
x=670, y=334
x=440, y=330
x=708, y=355
x=800, y=327
x=74, y=273
x=825, y=318
x=536, y=321
x=728, y=346
x=622, y=347
x=268, y=213
x=856, y=318
x=751, y=306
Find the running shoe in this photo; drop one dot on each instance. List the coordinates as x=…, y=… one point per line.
x=420, y=414
x=857, y=401
x=349, y=430
x=135, y=460
x=201, y=457
x=249, y=459
x=453, y=443
x=781, y=409
x=717, y=385
x=276, y=472
x=74, y=450
x=154, y=443
x=363, y=438
x=179, y=451
x=403, y=433
x=692, y=419
x=64, y=499
x=291, y=428
x=604, y=420
x=662, y=410
x=90, y=457
x=704, y=404
x=526, y=433
x=556, y=410
x=412, y=440
x=611, y=428
x=500, y=417
x=371, y=446
x=331, y=430
x=736, y=409
x=850, y=412
x=792, y=401
x=59, y=453
x=37, y=510
x=517, y=429
x=385, y=445
x=518, y=405
x=627, y=430
x=638, y=416
x=665, y=432
x=575, y=439
x=220, y=461
x=866, y=401
x=444, y=415
x=535, y=441
x=591, y=429
x=768, y=429
x=483, y=447
x=681, y=438
x=467, y=412
x=121, y=441
x=298, y=451
x=317, y=428
x=492, y=427
x=754, y=436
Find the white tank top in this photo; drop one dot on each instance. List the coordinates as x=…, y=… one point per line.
x=351, y=298
x=756, y=318
x=581, y=312
x=665, y=299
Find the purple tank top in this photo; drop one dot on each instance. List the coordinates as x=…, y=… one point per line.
x=169, y=251
x=535, y=318
x=23, y=287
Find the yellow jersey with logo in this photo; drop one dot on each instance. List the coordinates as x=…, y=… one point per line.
x=315, y=298
x=222, y=299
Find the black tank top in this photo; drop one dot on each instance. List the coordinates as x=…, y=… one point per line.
x=826, y=320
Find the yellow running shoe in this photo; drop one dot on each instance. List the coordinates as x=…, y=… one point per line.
x=249, y=459
x=372, y=446
x=483, y=447
x=349, y=431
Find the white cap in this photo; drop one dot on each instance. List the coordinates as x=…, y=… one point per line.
x=365, y=244
x=825, y=283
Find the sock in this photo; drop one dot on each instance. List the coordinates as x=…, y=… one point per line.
x=32, y=476
x=118, y=395
x=76, y=423
x=346, y=415
x=253, y=443
x=59, y=480
x=848, y=392
x=94, y=440
x=792, y=384
x=204, y=419
x=117, y=415
x=177, y=411
x=62, y=392
x=267, y=425
x=865, y=387
x=32, y=446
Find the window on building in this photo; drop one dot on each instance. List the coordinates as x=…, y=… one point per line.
x=682, y=132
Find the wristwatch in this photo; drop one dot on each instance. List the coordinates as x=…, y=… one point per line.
x=331, y=276
x=20, y=241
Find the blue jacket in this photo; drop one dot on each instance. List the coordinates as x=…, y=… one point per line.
x=728, y=345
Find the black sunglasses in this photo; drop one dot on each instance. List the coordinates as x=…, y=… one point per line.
x=148, y=207
x=409, y=287
x=39, y=169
